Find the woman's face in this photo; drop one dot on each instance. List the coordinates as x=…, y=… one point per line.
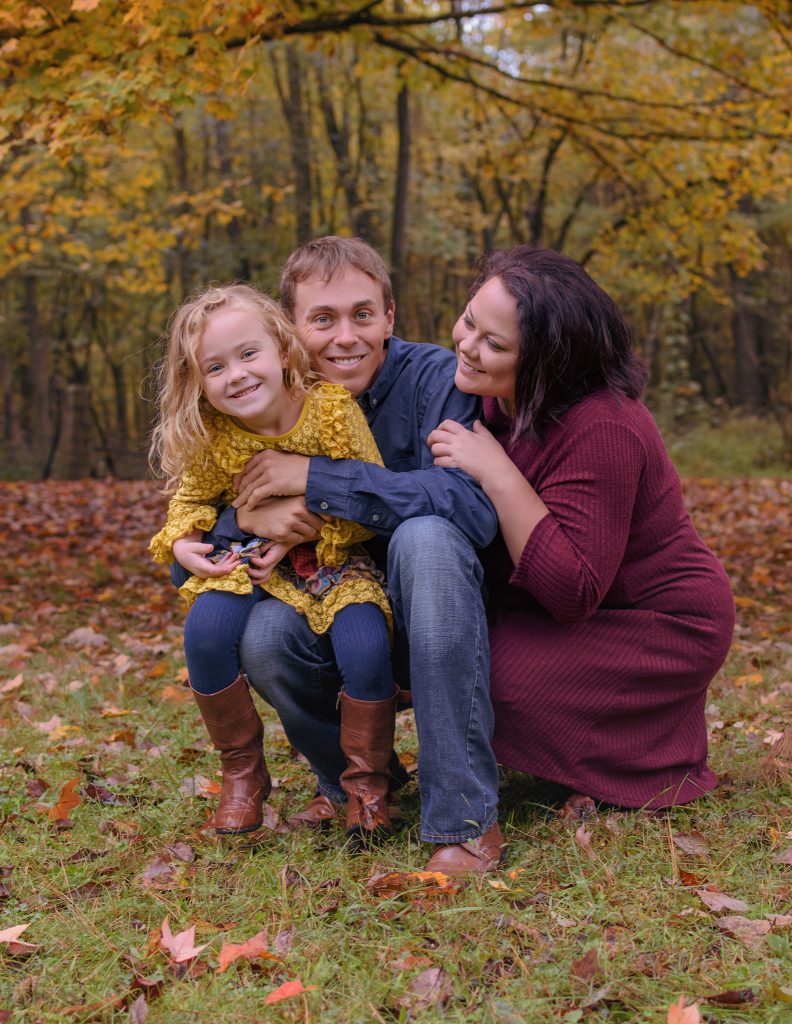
x=487, y=340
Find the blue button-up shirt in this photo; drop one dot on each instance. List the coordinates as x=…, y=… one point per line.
x=413, y=392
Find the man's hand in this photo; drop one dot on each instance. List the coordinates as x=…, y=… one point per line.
x=191, y=553
x=260, y=568
x=271, y=473
x=285, y=520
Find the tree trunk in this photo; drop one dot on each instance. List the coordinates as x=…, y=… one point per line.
x=746, y=332
x=297, y=116
x=75, y=455
x=39, y=358
x=400, y=199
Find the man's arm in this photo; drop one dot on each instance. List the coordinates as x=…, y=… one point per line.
x=382, y=498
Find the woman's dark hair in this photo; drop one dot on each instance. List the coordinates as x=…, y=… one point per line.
x=573, y=337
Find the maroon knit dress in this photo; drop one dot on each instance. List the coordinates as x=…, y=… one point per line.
x=607, y=633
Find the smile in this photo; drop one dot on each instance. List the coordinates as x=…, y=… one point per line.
x=246, y=392
x=345, y=360
x=466, y=367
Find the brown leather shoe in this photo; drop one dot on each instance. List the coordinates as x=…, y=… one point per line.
x=367, y=730
x=320, y=812
x=478, y=856
x=236, y=730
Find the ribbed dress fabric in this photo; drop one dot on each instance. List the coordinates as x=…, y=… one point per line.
x=608, y=631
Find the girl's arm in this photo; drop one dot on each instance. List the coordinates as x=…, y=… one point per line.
x=191, y=510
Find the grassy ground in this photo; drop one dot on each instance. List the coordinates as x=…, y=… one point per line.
x=612, y=922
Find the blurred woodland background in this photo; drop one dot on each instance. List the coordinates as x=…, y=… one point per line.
x=148, y=147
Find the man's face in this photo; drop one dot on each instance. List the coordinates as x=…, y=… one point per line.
x=343, y=324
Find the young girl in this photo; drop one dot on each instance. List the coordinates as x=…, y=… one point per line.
x=235, y=381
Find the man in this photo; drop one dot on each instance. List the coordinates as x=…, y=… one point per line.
x=338, y=293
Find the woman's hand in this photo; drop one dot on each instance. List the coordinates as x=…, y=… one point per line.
x=260, y=567
x=191, y=552
x=271, y=473
x=475, y=451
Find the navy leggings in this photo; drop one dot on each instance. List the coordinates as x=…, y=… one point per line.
x=217, y=620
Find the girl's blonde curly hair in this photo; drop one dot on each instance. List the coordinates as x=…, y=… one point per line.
x=181, y=435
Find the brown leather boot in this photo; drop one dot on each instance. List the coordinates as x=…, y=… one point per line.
x=478, y=856
x=236, y=730
x=367, y=729
x=318, y=813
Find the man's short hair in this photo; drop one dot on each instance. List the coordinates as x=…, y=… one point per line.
x=327, y=257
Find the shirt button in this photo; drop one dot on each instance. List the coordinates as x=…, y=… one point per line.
x=373, y=401
x=324, y=506
x=375, y=519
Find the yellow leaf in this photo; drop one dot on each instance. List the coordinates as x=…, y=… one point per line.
x=749, y=680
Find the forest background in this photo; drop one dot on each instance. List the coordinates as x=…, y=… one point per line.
x=151, y=146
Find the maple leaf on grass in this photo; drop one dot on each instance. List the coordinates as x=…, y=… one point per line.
x=181, y=946
x=679, y=1013
x=751, y=933
x=287, y=990
x=255, y=948
x=16, y=946
x=67, y=801
x=431, y=987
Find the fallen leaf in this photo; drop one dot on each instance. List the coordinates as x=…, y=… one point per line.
x=284, y=941
x=255, y=948
x=181, y=946
x=67, y=801
x=159, y=874
x=180, y=851
x=784, y=858
x=588, y=966
x=412, y=883
x=780, y=920
x=720, y=901
x=199, y=785
x=85, y=637
x=12, y=684
x=138, y=1011
x=176, y=694
x=431, y=987
x=692, y=843
x=734, y=997
x=16, y=946
x=751, y=933
x=678, y=1013
x=583, y=839
x=111, y=711
x=287, y=990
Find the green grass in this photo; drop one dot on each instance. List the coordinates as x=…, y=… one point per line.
x=509, y=945
x=740, y=446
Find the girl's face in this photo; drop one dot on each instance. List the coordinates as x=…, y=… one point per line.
x=487, y=340
x=242, y=372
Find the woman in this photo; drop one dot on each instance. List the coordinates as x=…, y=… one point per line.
x=610, y=616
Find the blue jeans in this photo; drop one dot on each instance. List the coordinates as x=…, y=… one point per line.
x=441, y=653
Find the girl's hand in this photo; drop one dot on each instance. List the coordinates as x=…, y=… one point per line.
x=475, y=451
x=260, y=568
x=192, y=553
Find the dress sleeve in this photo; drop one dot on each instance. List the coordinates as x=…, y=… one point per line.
x=192, y=507
x=345, y=434
x=574, y=553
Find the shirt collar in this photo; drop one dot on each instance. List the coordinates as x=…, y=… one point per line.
x=385, y=379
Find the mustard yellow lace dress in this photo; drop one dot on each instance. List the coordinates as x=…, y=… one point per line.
x=330, y=424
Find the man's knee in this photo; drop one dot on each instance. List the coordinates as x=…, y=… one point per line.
x=431, y=549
